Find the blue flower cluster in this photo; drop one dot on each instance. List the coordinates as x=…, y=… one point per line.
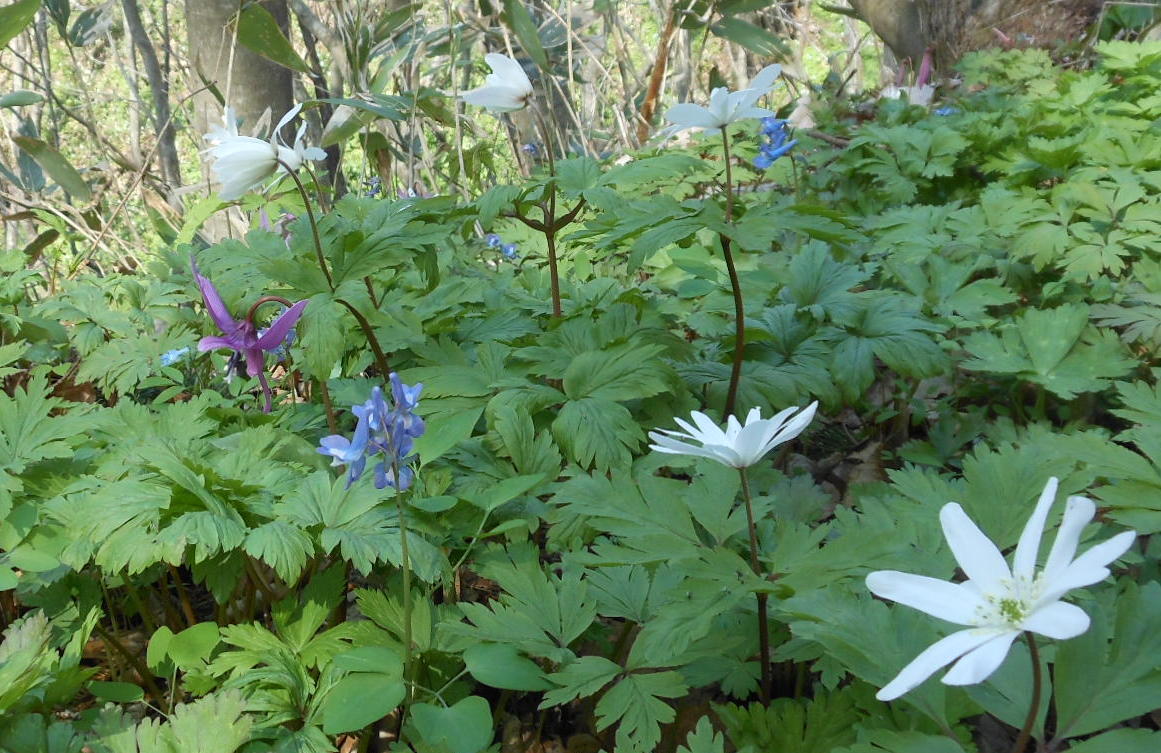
x=508, y=249
x=170, y=357
x=381, y=429
x=776, y=131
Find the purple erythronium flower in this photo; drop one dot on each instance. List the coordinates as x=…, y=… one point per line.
x=242, y=336
x=387, y=429
x=777, y=145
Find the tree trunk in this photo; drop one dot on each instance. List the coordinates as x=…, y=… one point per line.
x=896, y=22
x=951, y=28
x=159, y=90
x=250, y=83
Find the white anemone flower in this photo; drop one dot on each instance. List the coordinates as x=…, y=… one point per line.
x=996, y=603
x=725, y=106
x=242, y=163
x=738, y=446
x=505, y=89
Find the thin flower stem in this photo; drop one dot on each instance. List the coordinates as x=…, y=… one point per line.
x=266, y=299
x=406, y=564
x=763, y=620
x=550, y=225
x=1034, y=709
x=369, y=332
x=735, y=286
x=322, y=260
x=138, y=665
x=328, y=406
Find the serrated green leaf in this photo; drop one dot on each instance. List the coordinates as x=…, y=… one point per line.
x=596, y=432
x=635, y=702
x=282, y=546
x=583, y=677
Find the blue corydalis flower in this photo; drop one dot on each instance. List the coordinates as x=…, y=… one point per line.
x=493, y=240
x=509, y=251
x=777, y=133
x=170, y=357
x=384, y=429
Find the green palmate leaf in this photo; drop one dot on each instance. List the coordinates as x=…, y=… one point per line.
x=258, y=30
x=1110, y=673
x=30, y=432
x=539, y=613
x=873, y=642
x=703, y=739
x=596, y=432
x=444, y=434
x=501, y=666
x=635, y=702
x=894, y=741
x=583, y=677
x=623, y=372
x=56, y=165
x=792, y=726
x=282, y=546
x=465, y=727
x=214, y=724
x=15, y=17
x=1120, y=741
x=530, y=452
x=1054, y=348
x=321, y=329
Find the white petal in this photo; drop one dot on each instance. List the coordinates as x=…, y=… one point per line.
x=796, y=425
x=496, y=98
x=976, y=554
x=1024, y=562
x=314, y=153
x=707, y=429
x=724, y=455
x=1059, y=620
x=979, y=663
x=766, y=78
x=688, y=115
x=934, y=657
x=1078, y=512
x=508, y=72
x=289, y=116
x=744, y=113
x=1088, y=568
x=721, y=105
x=938, y=598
